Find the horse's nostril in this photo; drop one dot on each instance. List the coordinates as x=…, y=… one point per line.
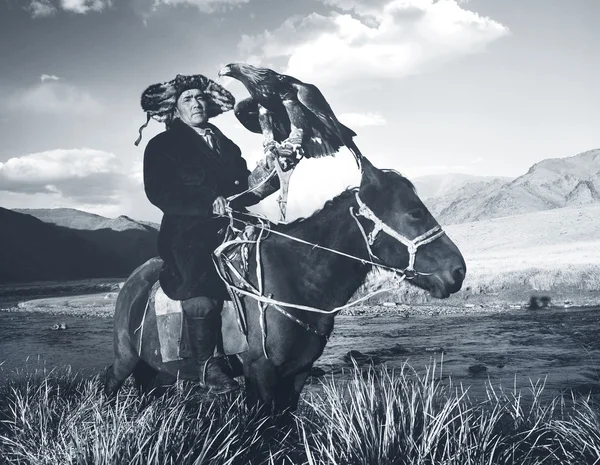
x=459, y=274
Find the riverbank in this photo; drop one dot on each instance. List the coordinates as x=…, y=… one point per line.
x=102, y=305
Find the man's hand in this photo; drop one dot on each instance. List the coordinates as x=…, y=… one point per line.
x=219, y=206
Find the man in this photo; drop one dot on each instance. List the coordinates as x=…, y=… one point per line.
x=189, y=171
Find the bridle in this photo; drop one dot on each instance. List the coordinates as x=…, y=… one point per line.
x=378, y=225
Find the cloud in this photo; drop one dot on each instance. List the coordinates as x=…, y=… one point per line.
x=85, y=6
x=206, y=6
x=84, y=175
x=372, y=40
x=41, y=8
x=86, y=179
x=49, y=77
x=362, y=119
x=54, y=96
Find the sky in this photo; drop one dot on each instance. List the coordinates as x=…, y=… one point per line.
x=483, y=87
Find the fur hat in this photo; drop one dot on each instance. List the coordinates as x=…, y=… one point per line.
x=160, y=100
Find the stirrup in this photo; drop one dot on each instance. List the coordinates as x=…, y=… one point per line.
x=224, y=388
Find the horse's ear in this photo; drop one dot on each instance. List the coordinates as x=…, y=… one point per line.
x=369, y=174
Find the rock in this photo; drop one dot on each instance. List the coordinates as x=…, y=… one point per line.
x=435, y=349
x=59, y=326
x=360, y=358
x=477, y=369
x=535, y=303
x=316, y=372
x=396, y=349
x=394, y=334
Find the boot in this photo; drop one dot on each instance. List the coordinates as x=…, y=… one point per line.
x=203, y=339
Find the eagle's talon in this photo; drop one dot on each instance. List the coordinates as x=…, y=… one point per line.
x=295, y=149
x=286, y=164
x=271, y=146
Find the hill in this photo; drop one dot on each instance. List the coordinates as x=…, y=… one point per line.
x=77, y=219
x=32, y=250
x=443, y=185
x=554, y=252
x=55, y=244
x=549, y=184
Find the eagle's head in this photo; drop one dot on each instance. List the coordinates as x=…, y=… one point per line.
x=243, y=72
x=234, y=70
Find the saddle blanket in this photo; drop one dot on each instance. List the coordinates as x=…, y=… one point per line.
x=173, y=335
x=169, y=321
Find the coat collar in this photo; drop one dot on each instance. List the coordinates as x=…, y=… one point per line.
x=182, y=132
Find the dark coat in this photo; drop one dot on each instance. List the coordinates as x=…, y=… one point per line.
x=183, y=176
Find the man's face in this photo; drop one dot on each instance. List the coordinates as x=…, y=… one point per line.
x=191, y=107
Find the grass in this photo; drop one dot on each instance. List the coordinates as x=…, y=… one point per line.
x=379, y=416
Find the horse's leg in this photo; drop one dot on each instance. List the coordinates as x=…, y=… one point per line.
x=261, y=382
x=150, y=381
x=126, y=360
x=298, y=384
x=144, y=376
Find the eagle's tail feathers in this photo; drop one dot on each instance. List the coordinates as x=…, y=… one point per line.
x=317, y=147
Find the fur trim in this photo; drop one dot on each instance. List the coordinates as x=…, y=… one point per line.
x=160, y=100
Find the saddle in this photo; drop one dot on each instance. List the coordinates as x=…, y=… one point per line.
x=171, y=325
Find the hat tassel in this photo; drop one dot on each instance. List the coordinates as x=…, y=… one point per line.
x=142, y=127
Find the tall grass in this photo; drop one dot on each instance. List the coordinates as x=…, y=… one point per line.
x=379, y=416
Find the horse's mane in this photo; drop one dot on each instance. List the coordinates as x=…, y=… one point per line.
x=334, y=202
x=330, y=205
x=402, y=178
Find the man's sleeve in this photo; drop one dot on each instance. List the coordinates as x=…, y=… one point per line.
x=172, y=191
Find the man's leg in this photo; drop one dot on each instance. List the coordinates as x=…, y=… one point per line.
x=203, y=317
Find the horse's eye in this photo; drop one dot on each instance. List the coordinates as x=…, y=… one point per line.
x=416, y=214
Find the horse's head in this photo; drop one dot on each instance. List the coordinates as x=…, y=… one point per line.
x=391, y=205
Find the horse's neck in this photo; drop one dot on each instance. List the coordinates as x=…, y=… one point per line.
x=329, y=279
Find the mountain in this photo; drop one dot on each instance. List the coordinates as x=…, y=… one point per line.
x=31, y=250
x=549, y=184
x=72, y=244
x=77, y=219
x=442, y=185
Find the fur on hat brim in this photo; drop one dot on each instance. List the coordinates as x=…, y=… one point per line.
x=160, y=100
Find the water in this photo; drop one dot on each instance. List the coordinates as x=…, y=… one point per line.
x=27, y=341
x=558, y=345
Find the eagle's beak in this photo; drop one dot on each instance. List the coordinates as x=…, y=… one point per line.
x=225, y=71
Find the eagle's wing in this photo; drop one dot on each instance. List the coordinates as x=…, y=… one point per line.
x=311, y=97
x=246, y=112
x=249, y=113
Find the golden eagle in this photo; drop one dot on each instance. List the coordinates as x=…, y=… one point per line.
x=288, y=111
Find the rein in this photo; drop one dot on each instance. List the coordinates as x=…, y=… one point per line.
x=247, y=289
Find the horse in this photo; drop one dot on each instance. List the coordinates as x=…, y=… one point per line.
x=317, y=262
